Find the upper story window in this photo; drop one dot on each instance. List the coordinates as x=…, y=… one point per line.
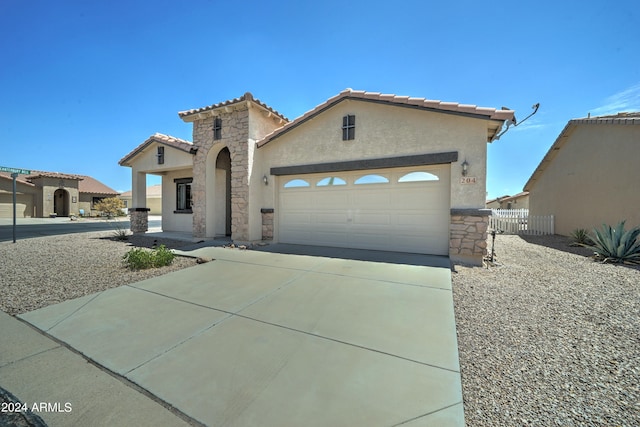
x=348, y=127
x=160, y=155
x=183, y=195
x=217, y=128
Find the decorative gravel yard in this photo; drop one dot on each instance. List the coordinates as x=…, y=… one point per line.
x=546, y=336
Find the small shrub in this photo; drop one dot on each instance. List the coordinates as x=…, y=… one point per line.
x=141, y=259
x=616, y=244
x=120, y=232
x=580, y=237
x=162, y=256
x=111, y=206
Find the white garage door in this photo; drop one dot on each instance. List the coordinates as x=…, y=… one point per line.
x=400, y=209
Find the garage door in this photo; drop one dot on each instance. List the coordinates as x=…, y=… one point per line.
x=24, y=205
x=400, y=209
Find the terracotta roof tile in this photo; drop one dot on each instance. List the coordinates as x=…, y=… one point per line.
x=481, y=112
x=86, y=184
x=93, y=186
x=171, y=141
x=246, y=97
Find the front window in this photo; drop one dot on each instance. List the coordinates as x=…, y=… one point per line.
x=183, y=195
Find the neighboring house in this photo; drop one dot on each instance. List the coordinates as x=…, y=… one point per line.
x=519, y=201
x=154, y=199
x=590, y=176
x=42, y=194
x=361, y=170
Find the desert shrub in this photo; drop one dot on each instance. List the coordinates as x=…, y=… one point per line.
x=120, y=232
x=580, y=237
x=112, y=206
x=614, y=244
x=141, y=259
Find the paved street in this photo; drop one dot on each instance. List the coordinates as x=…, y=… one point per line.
x=39, y=227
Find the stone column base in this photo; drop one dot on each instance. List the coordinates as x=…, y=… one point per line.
x=267, y=224
x=139, y=220
x=468, y=235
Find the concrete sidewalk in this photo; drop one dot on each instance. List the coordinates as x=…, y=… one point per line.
x=269, y=339
x=65, y=388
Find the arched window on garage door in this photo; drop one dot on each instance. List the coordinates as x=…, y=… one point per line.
x=371, y=179
x=296, y=183
x=418, y=176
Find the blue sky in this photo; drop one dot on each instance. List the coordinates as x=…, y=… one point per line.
x=84, y=82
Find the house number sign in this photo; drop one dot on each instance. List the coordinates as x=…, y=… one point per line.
x=468, y=180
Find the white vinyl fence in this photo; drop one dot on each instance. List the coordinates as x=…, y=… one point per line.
x=518, y=221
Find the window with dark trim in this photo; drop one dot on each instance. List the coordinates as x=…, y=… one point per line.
x=217, y=128
x=160, y=155
x=348, y=127
x=183, y=195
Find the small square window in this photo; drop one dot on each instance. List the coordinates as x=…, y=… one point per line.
x=348, y=127
x=160, y=155
x=217, y=128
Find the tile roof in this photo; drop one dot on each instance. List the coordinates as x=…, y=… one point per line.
x=246, y=97
x=152, y=191
x=93, y=186
x=172, y=141
x=391, y=99
x=623, y=118
x=86, y=184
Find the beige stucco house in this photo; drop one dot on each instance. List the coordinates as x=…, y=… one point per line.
x=41, y=194
x=154, y=199
x=518, y=201
x=589, y=175
x=361, y=170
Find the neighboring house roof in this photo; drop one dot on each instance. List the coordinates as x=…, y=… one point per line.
x=86, y=184
x=403, y=101
x=190, y=115
x=93, y=186
x=152, y=191
x=171, y=141
x=624, y=118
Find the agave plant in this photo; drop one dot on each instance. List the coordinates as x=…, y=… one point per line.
x=580, y=237
x=616, y=244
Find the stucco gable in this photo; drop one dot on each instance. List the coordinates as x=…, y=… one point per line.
x=158, y=138
x=491, y=114
x=624, y=118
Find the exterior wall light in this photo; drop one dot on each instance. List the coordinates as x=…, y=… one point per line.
x=465, y=167
x=265, y=180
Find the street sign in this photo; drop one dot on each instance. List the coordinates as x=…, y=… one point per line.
x=15, y=170
x=14, y=174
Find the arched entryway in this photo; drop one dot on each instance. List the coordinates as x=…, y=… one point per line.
x=223, y=193
x=61, y=202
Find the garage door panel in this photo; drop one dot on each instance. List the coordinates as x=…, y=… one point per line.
x=395, y=216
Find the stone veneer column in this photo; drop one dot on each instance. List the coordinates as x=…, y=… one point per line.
x=267, y=224
x=468, y=235
x=235, y=136
x=139, y=220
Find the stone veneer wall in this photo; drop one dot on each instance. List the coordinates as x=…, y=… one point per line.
x=139, y=220
x=468, y=235
x=267, y=224
x=235, y=136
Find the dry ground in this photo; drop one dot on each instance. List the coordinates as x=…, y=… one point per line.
x=548, y=337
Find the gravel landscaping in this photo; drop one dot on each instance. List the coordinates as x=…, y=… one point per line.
x=47, y=270
x=548, y=337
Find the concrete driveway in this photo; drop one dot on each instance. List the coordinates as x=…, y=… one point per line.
x=269, y=339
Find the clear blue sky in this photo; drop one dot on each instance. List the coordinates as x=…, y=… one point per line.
x=84, y=82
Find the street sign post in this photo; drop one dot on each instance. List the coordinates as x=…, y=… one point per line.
x=14, y=174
